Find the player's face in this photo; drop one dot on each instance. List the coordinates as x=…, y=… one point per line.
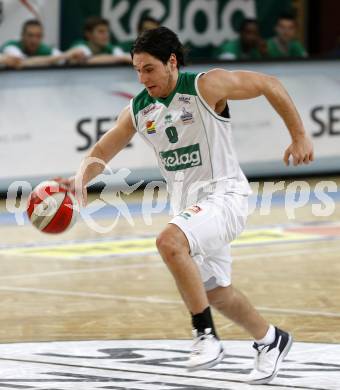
x=100, y=35
x=31, y=38
x=159, y=79
x=286, y=30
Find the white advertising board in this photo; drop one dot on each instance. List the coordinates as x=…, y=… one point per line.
x=51, y=118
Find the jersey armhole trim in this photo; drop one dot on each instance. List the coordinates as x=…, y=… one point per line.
x=205, y=104
x=133, y=115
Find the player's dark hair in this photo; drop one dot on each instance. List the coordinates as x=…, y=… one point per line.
x=30, y=22
x=160, y=42
x=92, y=22
x=146, y=19
x=246, y=22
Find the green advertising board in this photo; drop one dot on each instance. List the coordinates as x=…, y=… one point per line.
x=201, y=24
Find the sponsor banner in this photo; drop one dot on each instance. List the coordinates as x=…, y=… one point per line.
x=201, y=24
x=51, y=118
x=158, y=364
x=13, y=13
x=59, y=115
x=261, y=135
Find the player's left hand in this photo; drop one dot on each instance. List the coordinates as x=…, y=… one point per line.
x=301, y=151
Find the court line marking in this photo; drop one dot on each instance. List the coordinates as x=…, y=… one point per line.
x=149, y=299
x=227, y=326
x=96, y=240
x=188, y=376
x=159, y=263
x=83, y=294
x=153, y=263
x=153, y=252
x=265, y=255
x=318, y=349
x=281, y=228
x=299, y=312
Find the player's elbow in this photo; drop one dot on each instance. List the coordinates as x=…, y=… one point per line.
x=273, y=81
x=270, y=85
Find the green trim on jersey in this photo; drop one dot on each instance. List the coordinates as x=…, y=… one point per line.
x=185, y=84
x=139, y=102
x=43, y=49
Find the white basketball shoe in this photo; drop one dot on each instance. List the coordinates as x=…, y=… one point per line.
x=206, y=351
x=269, y=357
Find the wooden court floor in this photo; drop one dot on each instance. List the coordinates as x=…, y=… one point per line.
x=290, y=271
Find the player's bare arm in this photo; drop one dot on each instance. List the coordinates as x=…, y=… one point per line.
x=103, y=151
x=218, y=85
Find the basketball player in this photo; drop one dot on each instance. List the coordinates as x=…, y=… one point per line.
x=184, y=117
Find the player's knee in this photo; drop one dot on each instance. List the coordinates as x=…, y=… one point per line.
x=170, y=243
x=166, y=244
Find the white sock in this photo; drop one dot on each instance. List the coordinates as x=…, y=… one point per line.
x=268, y=338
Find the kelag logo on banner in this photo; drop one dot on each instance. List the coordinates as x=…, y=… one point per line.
x=202, y=24
x=197, y=22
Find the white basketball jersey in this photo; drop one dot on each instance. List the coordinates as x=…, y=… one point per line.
x=192, y=143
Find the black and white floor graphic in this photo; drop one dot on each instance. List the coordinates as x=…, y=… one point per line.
x=156, y=365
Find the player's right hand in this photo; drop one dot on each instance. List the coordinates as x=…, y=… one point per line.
x=69, y=183
x=74, y=184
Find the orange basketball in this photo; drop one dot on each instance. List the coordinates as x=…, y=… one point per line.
x=52, y=208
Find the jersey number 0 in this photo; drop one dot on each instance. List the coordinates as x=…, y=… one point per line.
x=172, y=134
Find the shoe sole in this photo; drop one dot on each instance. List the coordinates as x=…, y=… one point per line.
x=207, y=365
x=268, y=379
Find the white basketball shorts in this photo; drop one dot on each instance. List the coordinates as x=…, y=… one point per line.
x=210, y=226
